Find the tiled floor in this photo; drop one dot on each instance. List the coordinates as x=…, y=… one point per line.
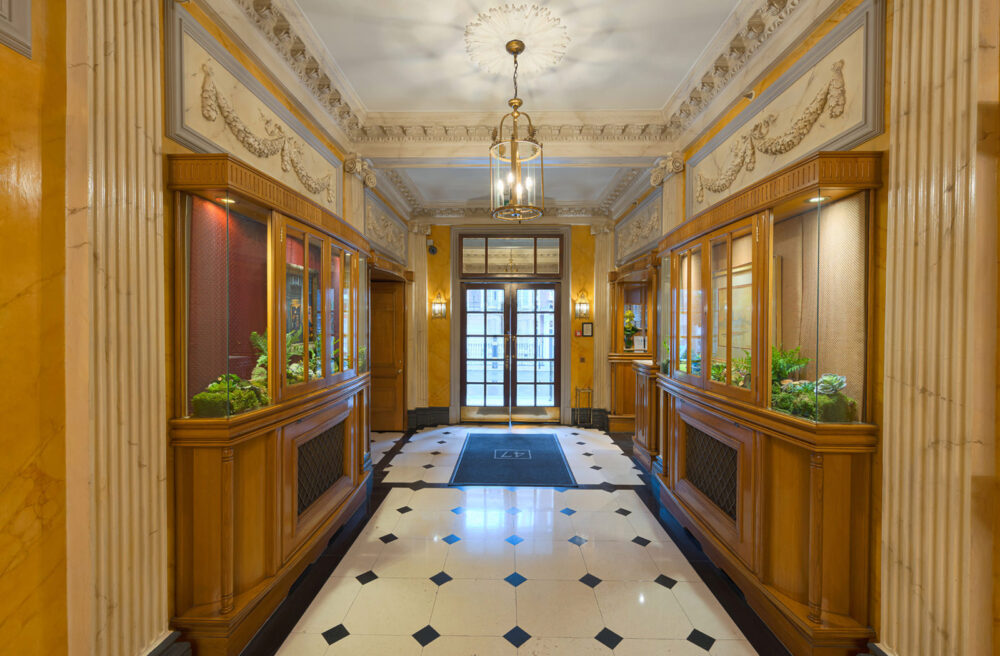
x=502, y=571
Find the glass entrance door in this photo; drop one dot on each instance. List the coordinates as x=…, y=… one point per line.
x=510, y=352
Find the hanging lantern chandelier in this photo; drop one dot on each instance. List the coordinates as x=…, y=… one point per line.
x=516, y=183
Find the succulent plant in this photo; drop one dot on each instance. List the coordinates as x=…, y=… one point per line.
x=830, y=384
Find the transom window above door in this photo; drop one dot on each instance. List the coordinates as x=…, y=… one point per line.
x=511, y=256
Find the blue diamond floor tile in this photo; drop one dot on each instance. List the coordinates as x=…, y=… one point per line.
x=577, y=540
x=517, y=636
x=452, y=539
x=515, y=579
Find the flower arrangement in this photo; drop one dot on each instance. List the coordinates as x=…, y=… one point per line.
x=630, y=330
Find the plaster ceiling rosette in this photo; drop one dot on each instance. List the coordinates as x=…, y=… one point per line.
x=544, y=35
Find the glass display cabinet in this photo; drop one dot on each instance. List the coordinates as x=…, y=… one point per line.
x=270, y=398
x=766, y=410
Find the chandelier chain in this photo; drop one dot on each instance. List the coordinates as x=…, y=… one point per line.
x=515, y=76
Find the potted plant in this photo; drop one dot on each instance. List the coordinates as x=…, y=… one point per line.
x=630, y=330
x=665, y=357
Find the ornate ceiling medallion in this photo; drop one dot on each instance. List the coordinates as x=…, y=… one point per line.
x=487, y=34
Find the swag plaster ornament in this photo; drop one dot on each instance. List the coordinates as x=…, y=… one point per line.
x=831, y=97
x=380, y=227
x=642, y=228
x=277, y=142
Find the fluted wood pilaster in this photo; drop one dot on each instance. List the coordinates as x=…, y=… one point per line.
x=940, y=337
x=115, y=325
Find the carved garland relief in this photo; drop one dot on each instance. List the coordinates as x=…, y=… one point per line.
x=832, y=97
x=276, y=141
x=639, y=230
x=380, y=227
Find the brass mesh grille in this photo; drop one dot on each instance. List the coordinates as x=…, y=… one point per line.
x=711, y=467
x=320, y=464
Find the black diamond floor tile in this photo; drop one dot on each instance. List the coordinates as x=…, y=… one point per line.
x=590, y=580
x=517, y=636
x=404, y=510
x=666, y=581
x=623, y=512
x=428, y=466
x=440, y=578
x=338, y=632
x=426, y=635
x=366, y=577
x=388, y=537
x=703, y=640
x=608, y=638
x=641, y=541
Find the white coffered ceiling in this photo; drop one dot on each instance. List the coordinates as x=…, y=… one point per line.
x=409, y=55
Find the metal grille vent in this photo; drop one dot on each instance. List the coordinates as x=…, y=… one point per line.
x=320, y=464
x=711, y=467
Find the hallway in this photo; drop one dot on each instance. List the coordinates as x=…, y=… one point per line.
x=504, y=571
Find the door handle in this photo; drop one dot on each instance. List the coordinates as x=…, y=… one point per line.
x=399, y=371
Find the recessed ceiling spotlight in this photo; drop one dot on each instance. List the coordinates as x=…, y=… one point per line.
x=225, y=201
x=819, y=199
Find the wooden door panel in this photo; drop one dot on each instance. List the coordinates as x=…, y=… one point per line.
x=388, y=357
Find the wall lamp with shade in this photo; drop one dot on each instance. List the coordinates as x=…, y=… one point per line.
x=439, y=307
x=582, y=306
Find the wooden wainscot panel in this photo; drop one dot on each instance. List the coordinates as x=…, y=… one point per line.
x=730, y=463
x=621, y=419
x=644, y=441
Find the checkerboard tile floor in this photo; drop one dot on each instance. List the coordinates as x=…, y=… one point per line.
x=490, y=571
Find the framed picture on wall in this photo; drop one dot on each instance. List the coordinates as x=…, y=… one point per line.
x=588, y=329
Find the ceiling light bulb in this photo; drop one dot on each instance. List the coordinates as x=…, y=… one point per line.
x=510, y=178
x=500, y=186
x=519, y=189
x=819, y=199
x=528, y=182
x=225, y=201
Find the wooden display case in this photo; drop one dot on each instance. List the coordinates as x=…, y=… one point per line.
x=764, y=418
x=634, y=335
x=269, y=436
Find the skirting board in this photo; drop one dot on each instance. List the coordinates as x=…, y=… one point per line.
x=422, y=417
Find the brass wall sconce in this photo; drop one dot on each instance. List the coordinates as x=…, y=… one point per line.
x=439, y=307
x=582, y=306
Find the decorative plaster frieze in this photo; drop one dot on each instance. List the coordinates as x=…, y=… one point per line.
x=384, y=229
x=361, y=168
x=665, y=167
x=831, y=98
x=640, y=229
x=277, y=141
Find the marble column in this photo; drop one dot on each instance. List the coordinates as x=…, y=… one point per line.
x=940, y=332
x=416, y=358
x=604, y=262
x=116, y=392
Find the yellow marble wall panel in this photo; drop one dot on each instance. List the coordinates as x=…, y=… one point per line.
x=32, y=243
x=438, y=336
x=581, y=280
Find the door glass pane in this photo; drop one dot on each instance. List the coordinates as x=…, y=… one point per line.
x=525, y=371
x=494, y=395
x=494, y=324
x=546, y=323
x=742, y=310
x=511, y=254
x=474, y=395
x=546, y=300
x=474, y=323
x=294, y=301
x=546, y=348
x=473, y=255
x=494, y=300
x=494, y=371
x=525, y=324
x=546, y=395
x=475, y=300
x=696, y=310
x=548, y=255
x=720, y=310
x=525, y=395
x=684, y=270
x=474, y=371
x=525, y=300
x=494, y=347
x=526, y=348
x=315, y=326
x=475, y=348
x=347, y=344
x=545, y=371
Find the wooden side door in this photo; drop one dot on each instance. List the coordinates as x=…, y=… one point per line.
x=388, y=356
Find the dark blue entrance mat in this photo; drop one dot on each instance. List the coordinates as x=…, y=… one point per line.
x=532, y=459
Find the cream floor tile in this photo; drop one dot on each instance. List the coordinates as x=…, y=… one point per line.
x=619, y=561
x=544, y=524
x=474, y=607
x=428, y=524
x=630, y=501
x=647, y=526
x=411, y=459
x=410, y=558
x=602, y=526
x=437, y=499
x=330, y=606
x=634, y=609
x=631, y=647
x=563, y=647
x=489, y=523
x=733, y=648
x=704, y=610
x=670, y=561
x=303, y=644
x=549, y=559
x=391, y=607
x=370, y=645
x=404, y=474
x=580, y=500
x=562, y=609
x=480, y=559
x=537, y=498
x=469, y=646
